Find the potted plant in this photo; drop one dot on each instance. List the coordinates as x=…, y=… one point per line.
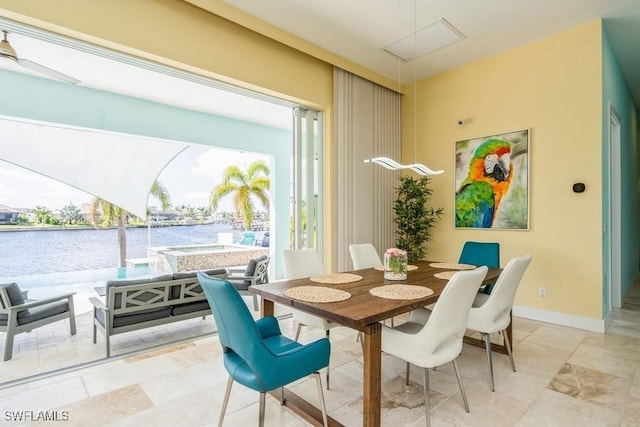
x=414, y=219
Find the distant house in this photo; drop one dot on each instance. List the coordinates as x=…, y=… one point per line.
x=8, y=215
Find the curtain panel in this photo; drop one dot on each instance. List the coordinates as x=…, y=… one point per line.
x=367, y=123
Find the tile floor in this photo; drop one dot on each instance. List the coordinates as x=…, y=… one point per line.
x=565, y=377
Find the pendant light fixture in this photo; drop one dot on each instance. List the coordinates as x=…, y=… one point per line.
x=386, y=162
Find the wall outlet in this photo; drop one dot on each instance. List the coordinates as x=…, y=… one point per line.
x=542, y=292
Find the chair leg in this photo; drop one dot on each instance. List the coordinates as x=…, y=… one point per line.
x=225, y=401
x=321, y=397
x=8, y=346
x=328, y=364
x=262, y=405
x=298, y=329
x=282, y=399
x=508, y=345
x=464, y=395
x=427, y=400
x=487, y=344
x=408, y=367
x=108, y=343
x=261, y=414
x=72, y=316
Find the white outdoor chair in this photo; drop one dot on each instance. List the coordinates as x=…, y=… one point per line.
x=364, y=255
x=492, y=313
x=299, y=263
x=432, y=338
x=18, y=314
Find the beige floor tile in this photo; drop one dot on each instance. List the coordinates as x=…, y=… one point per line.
x=556, y=409
x=146, y=386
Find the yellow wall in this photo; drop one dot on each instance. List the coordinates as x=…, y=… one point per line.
x=553, y=87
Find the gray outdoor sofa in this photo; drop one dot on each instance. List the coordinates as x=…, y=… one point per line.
x=136, y=304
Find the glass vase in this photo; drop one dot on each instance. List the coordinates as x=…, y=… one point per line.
x=395, y=264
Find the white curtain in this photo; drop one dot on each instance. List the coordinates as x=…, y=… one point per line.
x=116, y=167
x=367, y=123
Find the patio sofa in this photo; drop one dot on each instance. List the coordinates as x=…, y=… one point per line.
x=136, y=304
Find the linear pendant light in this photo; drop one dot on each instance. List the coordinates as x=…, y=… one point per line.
x=391, y=164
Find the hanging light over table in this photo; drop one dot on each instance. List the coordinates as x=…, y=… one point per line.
x=393, y=165
x=429, y=32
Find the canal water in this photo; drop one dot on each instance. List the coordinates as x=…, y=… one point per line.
x=57, y=261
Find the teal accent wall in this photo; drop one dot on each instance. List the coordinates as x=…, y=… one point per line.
x=39, y=99
x=615, y=92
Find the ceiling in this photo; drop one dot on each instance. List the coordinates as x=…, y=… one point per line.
x=359, y=29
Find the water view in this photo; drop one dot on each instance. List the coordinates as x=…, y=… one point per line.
x=53, y=251
x=57, y=261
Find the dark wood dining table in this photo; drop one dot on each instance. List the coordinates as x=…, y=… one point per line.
x=362, y=312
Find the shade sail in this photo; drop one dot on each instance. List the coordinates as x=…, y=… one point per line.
x=116, y=167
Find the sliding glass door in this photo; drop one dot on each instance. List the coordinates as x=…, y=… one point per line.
x=306, y=195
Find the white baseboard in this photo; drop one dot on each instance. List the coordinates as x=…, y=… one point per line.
x=563, y=319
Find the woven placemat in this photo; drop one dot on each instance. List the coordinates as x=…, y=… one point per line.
x=336, y=278
x=452, y=266
x=317, y=294
x=446, y=275
x=400, y=292
x=409, y=267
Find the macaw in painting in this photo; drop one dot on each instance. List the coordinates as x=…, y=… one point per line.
x=479, y=195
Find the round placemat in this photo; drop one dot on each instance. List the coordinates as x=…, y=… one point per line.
x=336, y=278
x=451, y=266
x=409, y=267
x=317, y=294
x=446, y=275
x=400, y=292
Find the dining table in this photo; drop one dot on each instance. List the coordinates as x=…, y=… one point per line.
x=361, y=310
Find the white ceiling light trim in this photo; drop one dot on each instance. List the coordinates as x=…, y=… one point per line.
x=424, y=41
x=116, y=167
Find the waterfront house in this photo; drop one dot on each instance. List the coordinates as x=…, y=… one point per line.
x=8, y=215
x=563, y=87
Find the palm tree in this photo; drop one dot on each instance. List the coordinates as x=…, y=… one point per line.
x=254, y=183
x=41, y=214
x=104, y=214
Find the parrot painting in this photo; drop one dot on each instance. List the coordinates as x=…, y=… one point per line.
x=479, y=195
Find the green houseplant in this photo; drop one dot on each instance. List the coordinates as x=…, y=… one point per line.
x=414, y=219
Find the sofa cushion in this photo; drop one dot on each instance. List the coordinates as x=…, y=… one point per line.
x=44, y=311
x=178, y=275
x=132, y=319
x=175, y=290
x=251, y=266
x=190, y=308
x=15, y=298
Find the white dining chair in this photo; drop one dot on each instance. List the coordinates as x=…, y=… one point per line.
x=492, y=313
x=299, y=263
x=431, y=338
x=364, y=255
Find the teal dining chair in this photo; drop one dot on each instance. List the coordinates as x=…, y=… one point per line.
x=479, y=254
x=255, y=353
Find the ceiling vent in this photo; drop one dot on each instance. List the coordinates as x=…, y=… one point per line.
x=424, y=41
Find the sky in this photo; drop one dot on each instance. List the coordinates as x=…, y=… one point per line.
x=21, y=188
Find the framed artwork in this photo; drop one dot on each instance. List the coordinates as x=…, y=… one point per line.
x=492, y=182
